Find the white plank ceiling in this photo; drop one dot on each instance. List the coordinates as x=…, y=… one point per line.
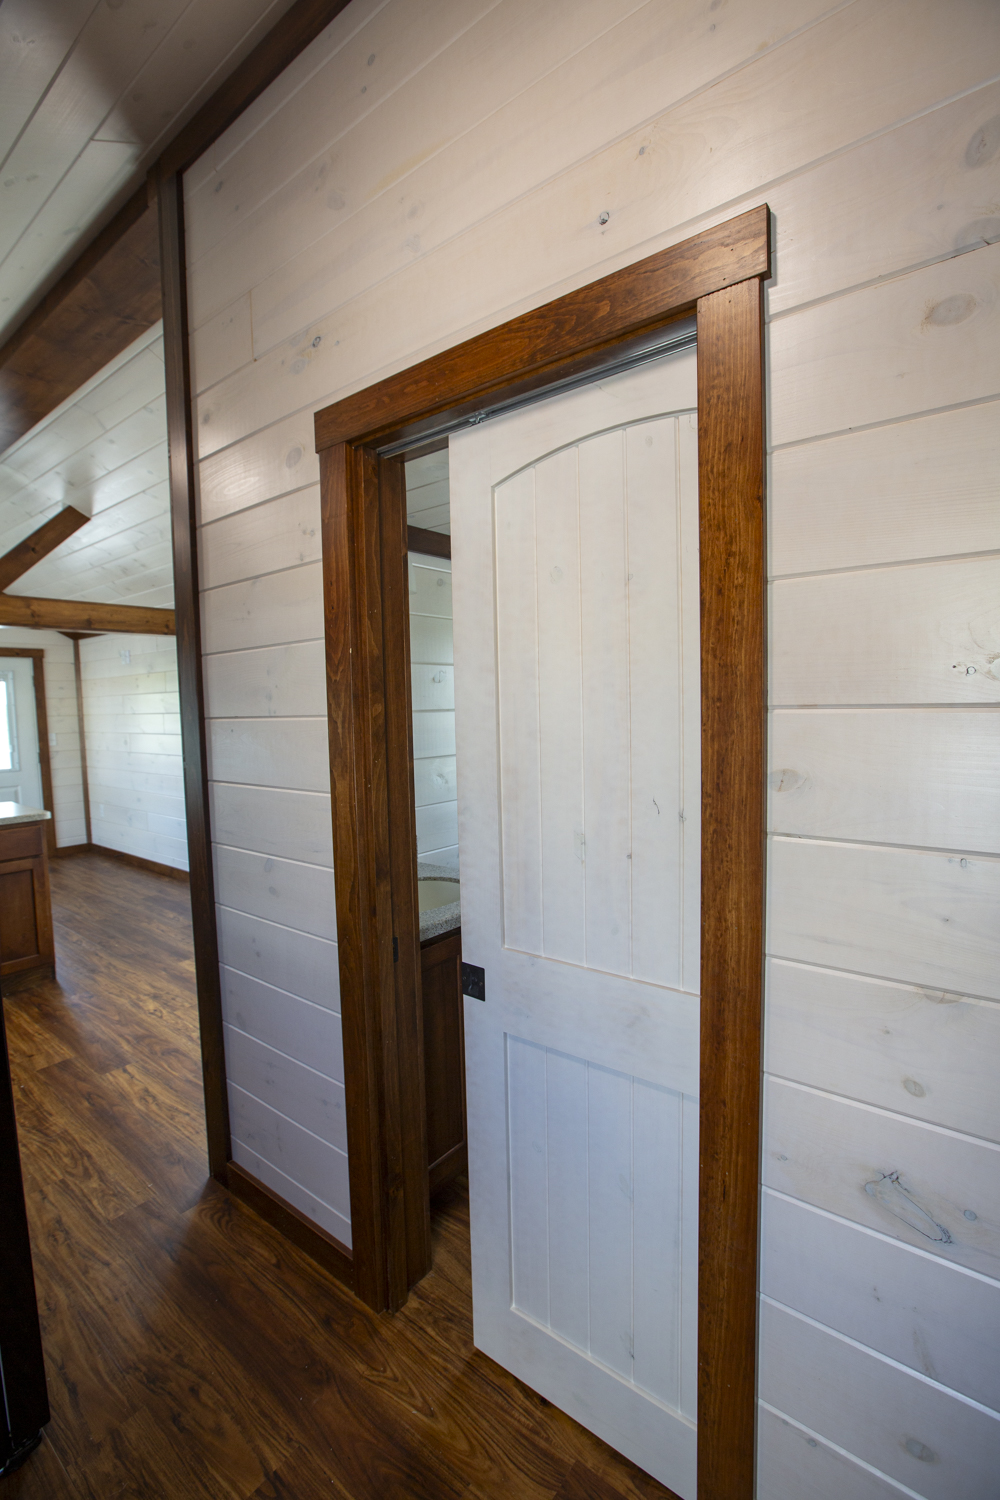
x=104, y=451
x=90, y=93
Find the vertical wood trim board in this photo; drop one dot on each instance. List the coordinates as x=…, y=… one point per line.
x=44, y=758
x=719, y=273
x=192, y=698
x=356, y=726
x=733, y=697
x=84, y=779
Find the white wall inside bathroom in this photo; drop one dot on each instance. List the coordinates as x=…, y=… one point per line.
x=433, y=686
x=432, y=672
x=425, y=171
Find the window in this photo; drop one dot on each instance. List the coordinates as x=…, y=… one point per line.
x=8, y=724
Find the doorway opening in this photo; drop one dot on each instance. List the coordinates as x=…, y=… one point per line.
x=717, y=275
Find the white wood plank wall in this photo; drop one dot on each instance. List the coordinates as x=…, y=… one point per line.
x=131, y=715
x=432, y=672
x=64, y=729
x=425, y=171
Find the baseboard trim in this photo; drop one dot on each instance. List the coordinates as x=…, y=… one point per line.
x=447, y=1167
x=135, y=860
x=321, y=1247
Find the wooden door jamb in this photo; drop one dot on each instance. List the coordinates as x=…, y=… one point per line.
x=718, y=275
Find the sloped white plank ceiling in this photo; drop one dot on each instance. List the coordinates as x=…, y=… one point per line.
x=103, y=451
x=90, y=93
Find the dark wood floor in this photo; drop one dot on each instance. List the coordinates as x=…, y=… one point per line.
x=191, y=1352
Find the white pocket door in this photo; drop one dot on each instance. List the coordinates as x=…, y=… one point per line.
x=575, y=568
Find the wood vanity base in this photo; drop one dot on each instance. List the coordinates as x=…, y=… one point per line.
x=26, y=946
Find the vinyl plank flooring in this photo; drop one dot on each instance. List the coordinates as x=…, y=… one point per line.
x=192, y=1353
x=42, y=1474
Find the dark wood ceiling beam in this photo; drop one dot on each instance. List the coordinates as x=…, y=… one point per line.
x=82, y=614
x=430, y=543
x=15, y=563
x=111, y=293
x=104, y=302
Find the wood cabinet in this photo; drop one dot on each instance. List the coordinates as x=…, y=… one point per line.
x=26, y=945
x=444, y=1057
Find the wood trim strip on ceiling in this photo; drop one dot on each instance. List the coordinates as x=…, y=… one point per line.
x=718, y=274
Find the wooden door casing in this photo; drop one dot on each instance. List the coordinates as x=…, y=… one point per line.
x=37, y=655
x=718, y=275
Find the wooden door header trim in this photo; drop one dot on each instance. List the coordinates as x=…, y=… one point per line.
x=560, y=338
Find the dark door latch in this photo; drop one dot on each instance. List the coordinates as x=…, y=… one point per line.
x=473, y=982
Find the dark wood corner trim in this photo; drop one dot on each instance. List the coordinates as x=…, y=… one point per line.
x=733, y=749
x=430, y=543
x=37, y=656
x=321, y=1247
x=717, y=275
x=180, y=442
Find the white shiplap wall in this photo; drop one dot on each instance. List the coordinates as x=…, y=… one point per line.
x=64, y=737
x=131, y=715
x=424, y=171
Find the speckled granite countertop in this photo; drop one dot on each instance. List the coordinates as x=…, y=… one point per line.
x=16, y=812
x=439, y=919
